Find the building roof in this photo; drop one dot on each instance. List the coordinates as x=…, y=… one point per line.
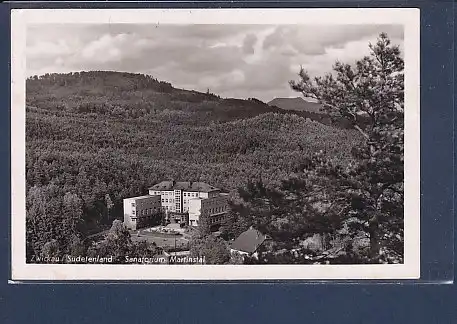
x=140, y=197
x=249, y=241
x=183, y=185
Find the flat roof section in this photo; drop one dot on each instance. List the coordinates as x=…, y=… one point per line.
x=184, y=185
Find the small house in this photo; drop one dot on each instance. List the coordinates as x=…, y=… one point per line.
x=249, y=242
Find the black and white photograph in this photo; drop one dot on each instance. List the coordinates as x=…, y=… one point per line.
x=271, y=144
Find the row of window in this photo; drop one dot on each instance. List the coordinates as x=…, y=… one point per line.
x=190, y=194
x=144, y=212
x=173, y=208
x=160, y=193
x=165, y=200
x=212, y=203
x=169, y=193
x=214, y=220
x=216, y=210
x=215, y=201
x=133, y=204
x=177, y=206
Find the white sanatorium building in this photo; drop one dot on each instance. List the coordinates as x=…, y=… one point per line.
x=140, y=211
x=182, y=202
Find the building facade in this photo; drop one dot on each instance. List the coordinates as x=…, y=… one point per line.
x=213, y=208
x=175, y=196
x=141, y=211
x=180, y=202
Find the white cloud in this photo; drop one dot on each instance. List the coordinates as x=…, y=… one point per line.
x=233, y=61
x=226, y=81
x=144, y=43
x=106, y=48
x=59, y=61
x=48, y=48
x=249, y=43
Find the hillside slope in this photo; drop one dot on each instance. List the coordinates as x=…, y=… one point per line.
x=129, y=95
x=297, y=104
x=117, y=134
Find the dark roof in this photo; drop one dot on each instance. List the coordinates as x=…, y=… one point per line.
x=143, y=197
x=184, y=185
x=249, y=241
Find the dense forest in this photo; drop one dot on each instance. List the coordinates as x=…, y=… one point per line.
x=104, y=136
x=94, y=138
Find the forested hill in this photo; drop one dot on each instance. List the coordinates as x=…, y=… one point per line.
x=104, y=133
x=120, y=94
x=298, y=104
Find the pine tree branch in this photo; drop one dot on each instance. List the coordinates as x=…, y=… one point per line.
x=357, y=127
x=361, y=131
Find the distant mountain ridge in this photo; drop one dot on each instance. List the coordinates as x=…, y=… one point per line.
x=296, y=104
x=123, y=94
x=135, y=95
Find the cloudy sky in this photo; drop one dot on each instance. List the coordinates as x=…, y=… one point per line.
x=231, y=60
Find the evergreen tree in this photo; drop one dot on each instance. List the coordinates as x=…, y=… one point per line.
x=51, y=252
x=109, y=206
x=117, y=244
x=213, y=249
x=367, y=196
x=373, y=88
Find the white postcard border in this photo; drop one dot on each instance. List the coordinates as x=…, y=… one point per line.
x=409, y=17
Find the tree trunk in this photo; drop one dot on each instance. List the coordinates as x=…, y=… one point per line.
x=374, y=243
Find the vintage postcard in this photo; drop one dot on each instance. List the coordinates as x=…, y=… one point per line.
x=212, y=144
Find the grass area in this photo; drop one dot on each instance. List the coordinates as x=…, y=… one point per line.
x=160, y=239
x=158, y=234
